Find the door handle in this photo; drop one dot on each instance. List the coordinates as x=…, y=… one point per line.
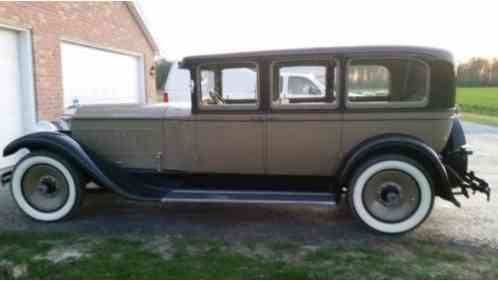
x=258, y=118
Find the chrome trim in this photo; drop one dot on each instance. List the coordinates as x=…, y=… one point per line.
x=220, y=192
x=224, y=200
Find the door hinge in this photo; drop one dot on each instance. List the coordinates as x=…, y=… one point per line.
x=159, y=158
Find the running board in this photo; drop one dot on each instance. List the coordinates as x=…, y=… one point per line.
x=259, y=197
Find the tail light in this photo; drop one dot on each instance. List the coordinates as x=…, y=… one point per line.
x=165, y=97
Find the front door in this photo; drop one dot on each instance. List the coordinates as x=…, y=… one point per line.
x=230, y=129
x=304, y=129
x=230, y=143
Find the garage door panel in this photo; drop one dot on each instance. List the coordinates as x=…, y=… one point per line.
x=11, y=98
x=95, y=76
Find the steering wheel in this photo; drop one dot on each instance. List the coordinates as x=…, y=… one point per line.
x=217, y=98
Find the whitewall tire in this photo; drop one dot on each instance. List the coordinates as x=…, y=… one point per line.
x=45, y=187
x=391, y=194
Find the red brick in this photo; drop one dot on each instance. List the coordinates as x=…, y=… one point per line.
x=107, y=24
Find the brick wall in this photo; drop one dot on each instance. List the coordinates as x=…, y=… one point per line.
x=106, y=24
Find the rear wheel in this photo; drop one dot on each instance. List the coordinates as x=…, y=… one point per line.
x=391, y=194
x=46, y=187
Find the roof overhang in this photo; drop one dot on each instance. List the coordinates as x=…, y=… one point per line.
x=135, y=11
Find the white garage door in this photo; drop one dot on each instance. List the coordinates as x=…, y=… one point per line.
x=95, y=76
x=11, y=95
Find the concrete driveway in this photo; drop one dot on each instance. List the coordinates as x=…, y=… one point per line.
x=475, y=224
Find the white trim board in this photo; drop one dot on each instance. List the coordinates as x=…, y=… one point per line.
x=27, y=81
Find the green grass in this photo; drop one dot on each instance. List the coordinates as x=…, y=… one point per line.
x=479, y=104
x=156, y=257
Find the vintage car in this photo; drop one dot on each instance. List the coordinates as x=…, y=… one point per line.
x=384, y=134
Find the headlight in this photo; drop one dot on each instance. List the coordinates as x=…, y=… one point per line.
x=62, y=125
x=45, y=126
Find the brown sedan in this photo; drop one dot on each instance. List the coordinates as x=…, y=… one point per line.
x=289, y=126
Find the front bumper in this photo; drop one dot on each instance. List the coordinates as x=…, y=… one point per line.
x=6, y=177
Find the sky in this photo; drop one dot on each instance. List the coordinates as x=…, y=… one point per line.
x=193, y=27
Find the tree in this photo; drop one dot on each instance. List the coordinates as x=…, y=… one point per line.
x=478, y=72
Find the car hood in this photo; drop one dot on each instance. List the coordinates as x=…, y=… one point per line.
x=130, y=111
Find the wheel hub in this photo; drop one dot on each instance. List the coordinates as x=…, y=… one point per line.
x=47, y=186
x=391, y=196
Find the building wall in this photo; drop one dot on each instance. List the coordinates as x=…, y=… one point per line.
x=104, y=24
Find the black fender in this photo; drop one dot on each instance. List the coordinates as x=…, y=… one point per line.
x=457, y=136
x=95, y=168
x=402, y=144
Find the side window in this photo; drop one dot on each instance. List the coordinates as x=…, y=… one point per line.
x=228, y=86
x=387, y=83
x=239, y=84
x=302, y=84
x=368, y=83
x=208, y=85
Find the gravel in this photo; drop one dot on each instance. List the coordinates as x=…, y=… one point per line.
x=475, y=224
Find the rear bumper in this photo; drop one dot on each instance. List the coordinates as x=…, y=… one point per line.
x=462, y=179
x=469, y=181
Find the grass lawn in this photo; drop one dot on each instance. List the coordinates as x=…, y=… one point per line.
x=479, y=118
x=479, y=104
x=49, y=256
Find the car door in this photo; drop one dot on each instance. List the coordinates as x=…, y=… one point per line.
x=304, y=132
x=230, y=128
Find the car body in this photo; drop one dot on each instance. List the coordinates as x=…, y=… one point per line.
x=380, y=129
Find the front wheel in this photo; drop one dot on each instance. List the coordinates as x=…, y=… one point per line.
x=46, y=187
x=391, y=194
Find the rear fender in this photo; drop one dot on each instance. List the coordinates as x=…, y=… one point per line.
x=404, y=145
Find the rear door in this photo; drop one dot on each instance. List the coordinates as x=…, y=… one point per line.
x=304, y=130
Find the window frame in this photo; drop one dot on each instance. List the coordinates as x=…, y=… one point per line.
x=329, y=63
x=383, y=104
x=228, y=107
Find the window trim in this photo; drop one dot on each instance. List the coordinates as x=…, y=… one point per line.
x=226, y=107
x=312, y=61
x=381, y=104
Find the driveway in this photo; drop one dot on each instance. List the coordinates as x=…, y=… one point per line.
x=475, y=224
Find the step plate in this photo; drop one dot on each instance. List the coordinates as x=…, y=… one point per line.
x=260, y=197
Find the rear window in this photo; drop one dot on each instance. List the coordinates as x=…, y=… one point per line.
x=387, y=82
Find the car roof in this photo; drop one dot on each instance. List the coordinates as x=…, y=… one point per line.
x=414, y=50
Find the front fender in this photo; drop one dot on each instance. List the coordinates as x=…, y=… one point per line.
x=100, y=171
x=405, y=145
